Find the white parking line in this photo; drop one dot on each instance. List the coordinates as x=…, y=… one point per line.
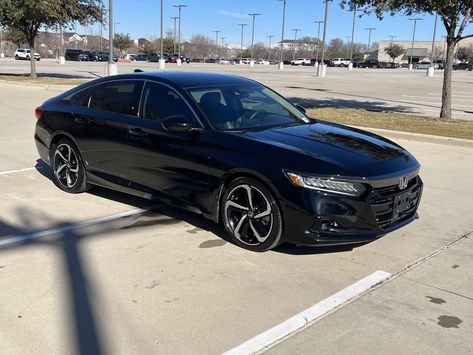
x=16, y=171
x=309, y=316
x=70, y=227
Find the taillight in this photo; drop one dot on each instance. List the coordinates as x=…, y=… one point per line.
x=38, y=112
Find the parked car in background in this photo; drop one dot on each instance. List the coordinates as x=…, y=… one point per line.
x=102, y=56
x=234, y=151
x=300, y=61
x=463, y=66
x=263, y=62
x=440, y=63
x=87, y=56
x=425, y=65
x=154, y=57
x=223, y=61
x=72, y=54
x=370, y=63
x=388, y=65
x=141, y=57
x=340, y=62
x=25, y=54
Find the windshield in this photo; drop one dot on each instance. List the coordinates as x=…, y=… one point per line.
x=236, y=108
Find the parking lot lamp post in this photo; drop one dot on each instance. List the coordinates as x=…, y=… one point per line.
x=175, y=34
x=161, y=60
x=413, y=39
x=253, y=38
x=369, y=29
x=350, y=65
x=216, y=42
x=321, y=70
x=318, y=43
x=270, y=37
x=111, y=66
x=392, y=38
x=241, y=43
x=179, y=35
x=223, y=47
x=281, y=61
x=432, y=57
x=295, y=41
x=348, y=41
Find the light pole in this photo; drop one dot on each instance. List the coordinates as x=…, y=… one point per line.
x=432, y=57
x=281, y=61
x=253, y=38
x=178, y=62
x=223, y=47
x=112, y=66
x=369, y=29
x=241, y=43
x=296, y=30
x=321, y=72
x=161, y=61
x=350, y=65
x=174, y=39
x=216, y=42
x=413, y=39
x=270, y=37
x=318, y=23
x=392, y=38
x=348, y=41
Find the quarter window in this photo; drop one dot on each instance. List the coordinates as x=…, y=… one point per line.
x=160, y=102
x=117, y=96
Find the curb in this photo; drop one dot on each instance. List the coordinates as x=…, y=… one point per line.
x=54, y=87
x=419, y=137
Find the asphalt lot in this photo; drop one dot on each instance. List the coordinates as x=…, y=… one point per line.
x=397, y=90
x=167, y=281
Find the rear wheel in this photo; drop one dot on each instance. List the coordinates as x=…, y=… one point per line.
x=68, y=169
x=251, y=216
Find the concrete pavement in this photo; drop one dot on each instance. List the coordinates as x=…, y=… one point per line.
x=167, y=281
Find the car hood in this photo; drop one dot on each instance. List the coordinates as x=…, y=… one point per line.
x=334, y=148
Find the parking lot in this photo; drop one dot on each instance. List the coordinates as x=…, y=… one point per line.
x=396, y=90
x=104, y=272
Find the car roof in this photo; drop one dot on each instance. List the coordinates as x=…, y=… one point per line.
x=187, y=79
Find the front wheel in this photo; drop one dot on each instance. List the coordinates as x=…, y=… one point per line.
x=251, y=215
x=68, y=169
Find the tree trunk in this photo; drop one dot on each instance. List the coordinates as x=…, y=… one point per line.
x=32, y=59
x=446, y=110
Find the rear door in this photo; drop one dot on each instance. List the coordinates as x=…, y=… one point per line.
x=101, y=126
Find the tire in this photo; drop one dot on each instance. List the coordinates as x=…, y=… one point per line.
x=69, y=173
x=255, y=225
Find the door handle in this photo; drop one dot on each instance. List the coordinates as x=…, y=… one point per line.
x=137, y=132
x=82, y=119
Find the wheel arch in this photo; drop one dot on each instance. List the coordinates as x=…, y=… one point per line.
x=232, y=175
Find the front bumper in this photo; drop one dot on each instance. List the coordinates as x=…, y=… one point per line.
x=316, y=218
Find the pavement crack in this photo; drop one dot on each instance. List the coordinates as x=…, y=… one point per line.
x=439, y=288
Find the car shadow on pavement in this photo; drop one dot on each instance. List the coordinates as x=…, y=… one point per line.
x=375, y=106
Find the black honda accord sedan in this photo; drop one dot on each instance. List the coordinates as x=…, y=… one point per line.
x=233, y=150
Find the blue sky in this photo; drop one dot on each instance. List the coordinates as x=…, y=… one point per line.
x=141, y=19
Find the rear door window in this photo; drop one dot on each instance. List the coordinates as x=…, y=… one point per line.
x=118, y=96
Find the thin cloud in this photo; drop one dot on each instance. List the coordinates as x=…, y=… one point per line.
x=232, y=14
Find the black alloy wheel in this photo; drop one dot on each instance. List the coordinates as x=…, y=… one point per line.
x=251, y=215
x=68, y=169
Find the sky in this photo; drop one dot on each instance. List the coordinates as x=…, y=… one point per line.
x=141, y=19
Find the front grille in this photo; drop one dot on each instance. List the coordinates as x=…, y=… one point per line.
x=392, y=205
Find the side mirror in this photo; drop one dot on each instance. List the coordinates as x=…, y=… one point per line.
x=300, y=108
x=180, y=124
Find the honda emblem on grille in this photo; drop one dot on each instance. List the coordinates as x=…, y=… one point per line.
x=403, y=182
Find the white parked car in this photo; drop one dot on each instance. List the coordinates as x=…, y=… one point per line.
x=425, y=65
x=263, y=62
x=340, y=62
x=24, y=53
x=300, y=61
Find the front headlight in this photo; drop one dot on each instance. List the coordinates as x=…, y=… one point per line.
x=325, y=184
